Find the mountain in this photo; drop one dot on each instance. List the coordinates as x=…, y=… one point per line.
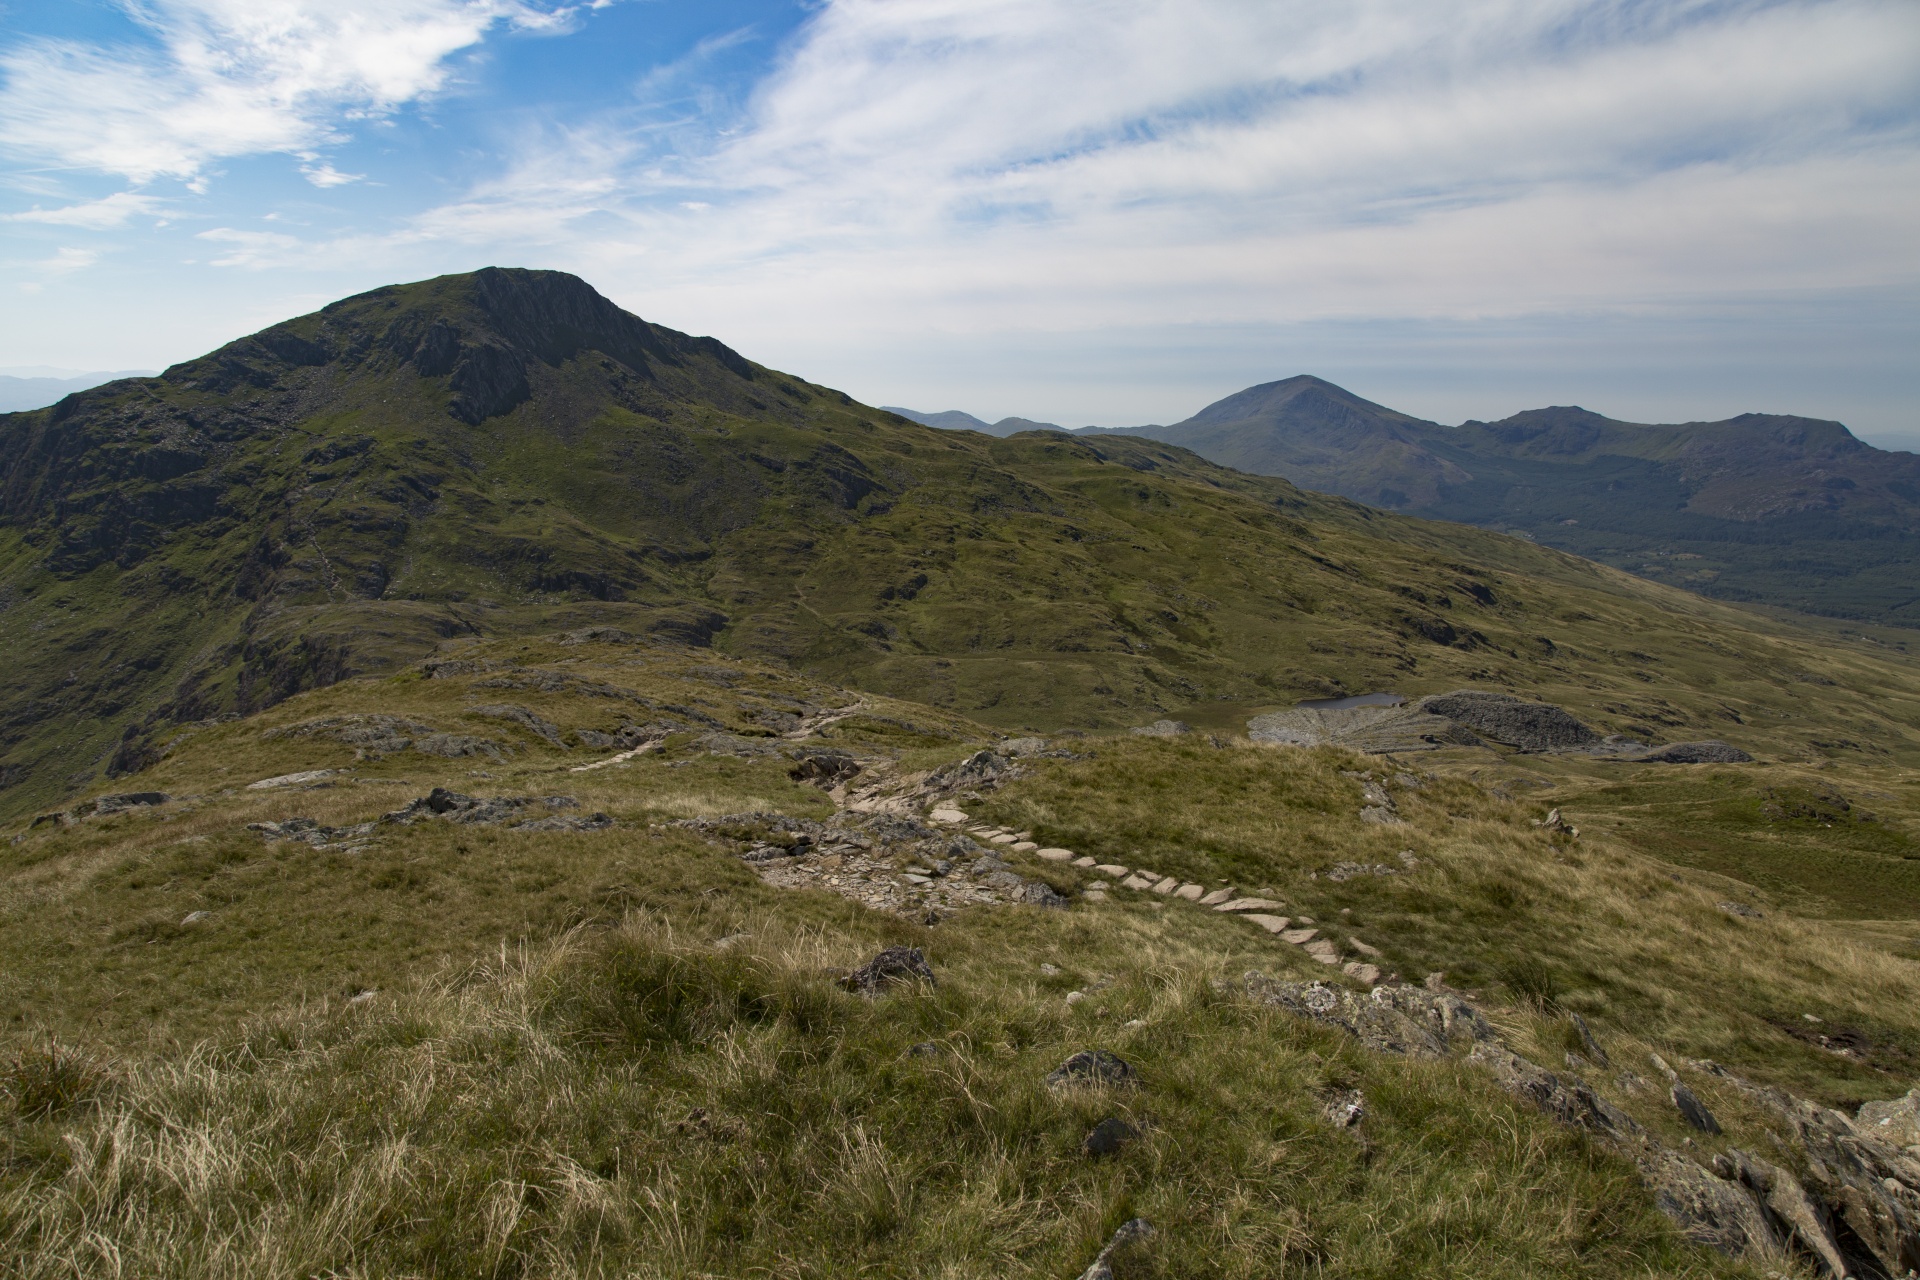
x=955, y=420
x=497, y=787
x=508, y=453
x=17, y=393
x=1765, y=508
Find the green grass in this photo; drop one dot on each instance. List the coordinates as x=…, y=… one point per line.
x=551, y=1069
x=1026, y=582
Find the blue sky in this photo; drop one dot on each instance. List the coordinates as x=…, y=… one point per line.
x=1107, y=211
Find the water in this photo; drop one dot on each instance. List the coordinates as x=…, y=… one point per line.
x=1357, y=700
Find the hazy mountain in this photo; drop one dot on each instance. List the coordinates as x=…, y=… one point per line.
x=507, y=452
x=1763, y=507
x=35, y=392
x=955, y=420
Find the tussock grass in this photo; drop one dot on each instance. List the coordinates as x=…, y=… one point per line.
x=636, y=1102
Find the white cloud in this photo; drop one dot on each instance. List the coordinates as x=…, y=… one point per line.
x=973, y=165
x=325, y=175
x=237, y=77
x=95, y=215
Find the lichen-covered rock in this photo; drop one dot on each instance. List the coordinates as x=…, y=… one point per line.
x=1402, y=1020
x=1708, y=1210
x=1092, y=1067
x=892, y=966
x=1896, y=1123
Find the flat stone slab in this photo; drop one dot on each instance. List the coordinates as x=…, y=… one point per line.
x=293, y=779
x=1166, y=886
x=1299, y=937
x=1323, y=951
x=1000, y=839
x=1137, y=882
x=1113, y=869
x=1055, y=855
x=948, y=815
x=1272, y=924
x=1191, y=892
x=1249, y=904
x=1024, y=846
x=1217, y=897
x=1078, y=862
x=1361, y=971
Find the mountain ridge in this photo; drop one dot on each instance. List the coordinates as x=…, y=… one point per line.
x=1706, y=506
x=507, y=452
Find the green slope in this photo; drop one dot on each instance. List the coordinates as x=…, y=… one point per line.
x=507, y=452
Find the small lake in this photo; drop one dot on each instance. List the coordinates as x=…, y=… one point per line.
x=1357, y=700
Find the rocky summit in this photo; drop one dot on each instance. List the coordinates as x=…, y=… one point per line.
x=493, y=786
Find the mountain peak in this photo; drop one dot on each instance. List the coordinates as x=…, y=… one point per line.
x=482, y=330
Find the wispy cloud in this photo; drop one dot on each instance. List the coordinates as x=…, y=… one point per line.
x=227, y=78
x=94, y=215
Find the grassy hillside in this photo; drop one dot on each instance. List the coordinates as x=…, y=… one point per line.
x=445, y=1049
x=507, y=453
x=1761, y=508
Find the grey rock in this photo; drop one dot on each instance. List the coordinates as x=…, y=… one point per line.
x=1163, y=729
x=1709, y=752
x=1092, y=1067
x=1129, y=1233
x=1400, y=1020
x=196, y=917
x=1037, y=893
x=1022, y=747
x=1526, y=726
x=1346, y=1108
x=892, y=966
x=1896, y=1123
x=1570, y=1102
x=456, y=746
x=823, y=767
x=1709, y=1211
x=1740, y=909
x=1795, y=1212
x=1376, y=730
x=131, y=800
x=1694, y=1111
x=1594, y=1051
x=519, y=812
x=1108, y=1137
x=544, y=729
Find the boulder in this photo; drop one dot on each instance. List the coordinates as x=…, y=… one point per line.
x=1526, y=726
x=1102, y=1269
x=1108, y=1137
x=1163, y=729
x=1693, y=1111
x=894, y=965
x=1712, y=751
x=1092, y=1067
x=1896, y=1123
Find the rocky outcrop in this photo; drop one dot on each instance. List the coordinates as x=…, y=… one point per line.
x=521, y=813
x=1514, y=722
x=1857, y=1214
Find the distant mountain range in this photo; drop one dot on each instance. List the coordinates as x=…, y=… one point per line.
x=19, y=393
x=1763, y=508
x=954, y=420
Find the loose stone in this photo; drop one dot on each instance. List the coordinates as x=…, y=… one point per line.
x=1110, y=869
x=1272, y=924
x=1137, y=882
x=1191, y=892
x=1299, y=937
x=1249, y=904
x=1052, y=855
x=1217, y=897
x=1167, y=885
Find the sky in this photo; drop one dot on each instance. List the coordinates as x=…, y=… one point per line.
x=1079, y=211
